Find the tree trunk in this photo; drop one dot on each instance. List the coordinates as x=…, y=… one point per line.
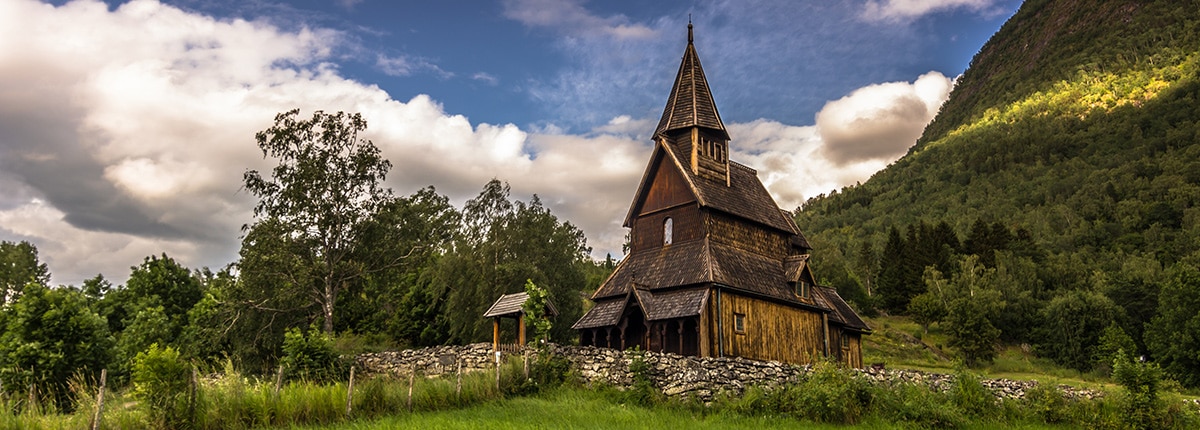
x=327, y=306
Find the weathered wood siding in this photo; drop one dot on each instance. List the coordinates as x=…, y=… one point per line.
x=667, y=188
x=853, y=354
x=772, y=331
x=732, y=231
x=648, y=229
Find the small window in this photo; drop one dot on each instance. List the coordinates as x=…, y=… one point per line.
x=845, y=339
x=804, y=289
x=668, y=227
x=739, y=323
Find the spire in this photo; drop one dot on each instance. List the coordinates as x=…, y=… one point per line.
x=690, y=103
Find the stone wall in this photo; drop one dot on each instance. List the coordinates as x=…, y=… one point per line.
x=674, y=375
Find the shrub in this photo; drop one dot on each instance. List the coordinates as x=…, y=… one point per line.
x=311, y=356
x=1047, y=403
x=970, y=396
x=160, y=382
x=831, y=394
x=642, y=392
x=1143, y=409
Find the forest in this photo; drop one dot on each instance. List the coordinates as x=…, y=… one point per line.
x=1053, y=201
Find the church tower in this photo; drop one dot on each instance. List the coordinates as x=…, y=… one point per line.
x=691, y=118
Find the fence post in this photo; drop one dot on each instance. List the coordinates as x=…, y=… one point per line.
x=279, y=379
x=350, y=392
x=192, y=396
x=497, y=371
x=526, y=355
x=100, y=400
x=412, y=376
x=458, y=385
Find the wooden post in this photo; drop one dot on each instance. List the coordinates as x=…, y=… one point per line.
x=100, y=400
x=526, y=355
x=458, y=385
x=278, y=380
x=192, y=396
x=350, y=392
x=495, y=334
x=412, y=376
x=521, y=330
x=497, y=370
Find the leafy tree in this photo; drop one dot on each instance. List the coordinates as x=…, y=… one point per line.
x=502, y=244
x=1113, y=341
x=327, y=183
x=1173, y=336
x=1143, y=409
x=311, y=356
x=50, y=335
x=165, y=283
x=927, y=308
x=19, y=266
x=971, y=331
x=1072, y=324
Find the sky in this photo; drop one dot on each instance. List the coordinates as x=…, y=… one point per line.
x=126, y=127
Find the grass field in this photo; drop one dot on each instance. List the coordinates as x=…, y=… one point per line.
x=574, y=408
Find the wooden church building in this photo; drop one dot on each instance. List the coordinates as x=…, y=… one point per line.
x=715, y=268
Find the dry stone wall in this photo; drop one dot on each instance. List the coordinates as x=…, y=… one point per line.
x=675, y=375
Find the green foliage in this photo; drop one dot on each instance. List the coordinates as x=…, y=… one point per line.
x=535, y=310
x=970, y=396
x=1113, y=341
x=643, y=392
x=1047, y=402
x=927, y=308
x=311, y=356
x=160, y=383
x=1173, y=336
x=831, y=394
x=49, y=335
x=502, y=244
x=1073, y=324
x=19, y=266
x=1143, y=408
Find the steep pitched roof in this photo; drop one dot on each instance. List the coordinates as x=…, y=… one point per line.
x=658, y=306
x=605, y=313
x=745, y=197
x=691, y=103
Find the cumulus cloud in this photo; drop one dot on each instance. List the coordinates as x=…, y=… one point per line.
x=880, y=122
x=905, y=10
x=571, y=18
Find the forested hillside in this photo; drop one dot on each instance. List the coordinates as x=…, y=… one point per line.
x=1053, y=201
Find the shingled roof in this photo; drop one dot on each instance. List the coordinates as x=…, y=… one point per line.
x=510, y=305
x=842, y=313
x=700, y=262
x=690, y=103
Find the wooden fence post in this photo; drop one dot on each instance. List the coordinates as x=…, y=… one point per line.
x=497, y=371
x=279, y=379
x=526, y=355
x=412, y=376
x=100, y=400
x=458, y=385
x=350, y=392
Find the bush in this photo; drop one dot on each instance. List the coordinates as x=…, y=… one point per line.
x=1143, y=409
x=160, y=382
x=830, y=394
x=970, y=396
x=1047, y=403
x=312, y=357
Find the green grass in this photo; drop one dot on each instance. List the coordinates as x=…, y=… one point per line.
x=577, y=408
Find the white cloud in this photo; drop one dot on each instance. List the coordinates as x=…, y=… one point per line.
x=881, y=121
x=906, y=10
x=571, y=18
x=486, y=78
x=406, y=66
x=125, y=133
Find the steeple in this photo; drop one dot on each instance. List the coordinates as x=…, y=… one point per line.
x=690, y=103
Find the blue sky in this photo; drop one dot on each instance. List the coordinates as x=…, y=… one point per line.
x=125, y=126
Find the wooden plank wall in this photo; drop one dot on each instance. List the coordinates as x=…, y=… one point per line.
x=648, y=229
x=772, y=331
x=854, y=353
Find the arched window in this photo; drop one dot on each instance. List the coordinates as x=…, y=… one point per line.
x=668, y=226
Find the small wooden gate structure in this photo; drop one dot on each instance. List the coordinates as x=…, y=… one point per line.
x=509, y=306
